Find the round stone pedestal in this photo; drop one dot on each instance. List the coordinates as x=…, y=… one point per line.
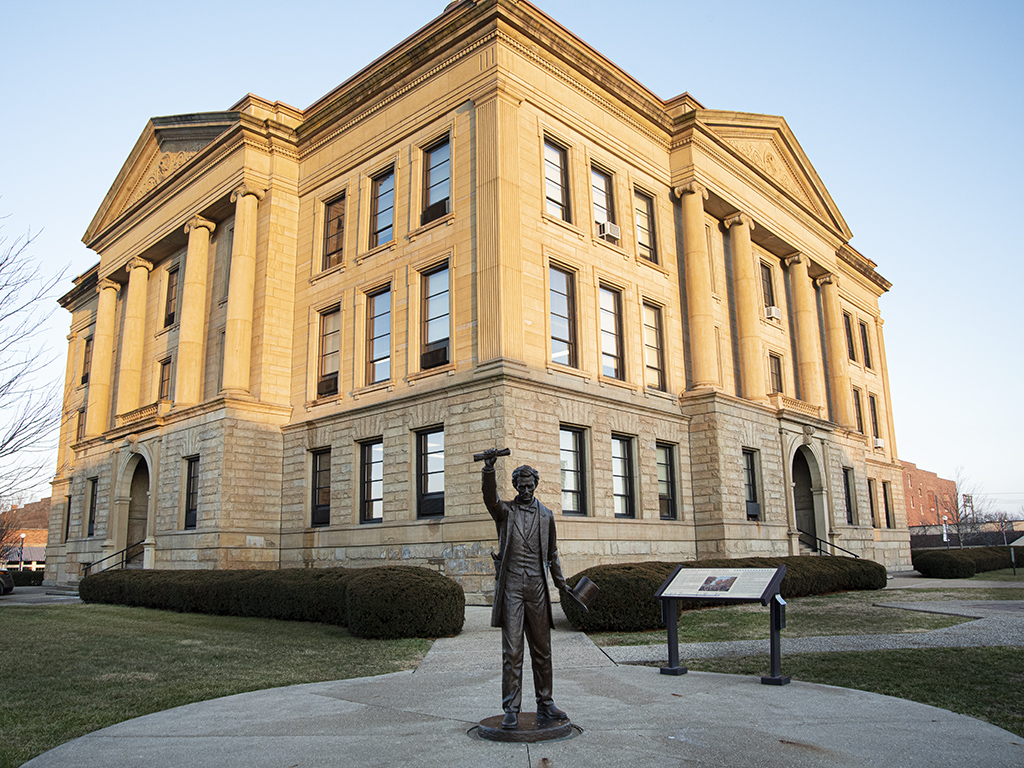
x=529, y=731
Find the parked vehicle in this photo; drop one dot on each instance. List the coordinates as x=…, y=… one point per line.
x=6, y=582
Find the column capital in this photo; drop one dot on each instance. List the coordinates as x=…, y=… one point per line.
x=737, y=219
x=244, y=189
x=829, y=279
x=198, y=222
x=795, y=258
x=691, y=188
x=105, y=283
x=136, y=262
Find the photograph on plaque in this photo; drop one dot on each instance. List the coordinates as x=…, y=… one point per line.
x=717, y=584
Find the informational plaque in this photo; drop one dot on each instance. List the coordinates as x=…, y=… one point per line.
x=733, y=584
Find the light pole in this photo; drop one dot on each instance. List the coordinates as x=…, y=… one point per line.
x=21, y=554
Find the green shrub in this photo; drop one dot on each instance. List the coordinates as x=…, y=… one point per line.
x=626, y=602
x=27, y=578
x=943, y=564
x=404, y=601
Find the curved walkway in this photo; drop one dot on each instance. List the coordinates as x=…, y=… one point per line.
x=626, y=715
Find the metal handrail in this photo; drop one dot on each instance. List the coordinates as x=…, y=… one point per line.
x=828, y=544
x=123, y=555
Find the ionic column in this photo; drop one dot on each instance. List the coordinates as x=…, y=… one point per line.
x=241, y=290
x=129, y=377
x=838, y=366
x=806, y=316
x=703, y=350
x=188, y=382
x=97, y=410
x=748, y=307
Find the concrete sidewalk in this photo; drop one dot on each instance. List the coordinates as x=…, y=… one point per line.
x=625, y=715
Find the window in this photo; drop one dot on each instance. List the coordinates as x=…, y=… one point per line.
x=865, y=346
x=563, y=317
x=858, y=410
x=571, y=454
x=612, y=358
x=334, y=233
x=94, y=487
x=873, y=408
x=848, y=493
x=378, y=326
x=666, y=481
x=436, y=181
x=321, y=503
x=604, y=203
x=622, y=476
x=330, y=352
x=887, y=503
x=430, y=473
x=171, y=305
x=165, y=379
x=750, y=484
x=871, y=502
x=67, y=518
x=767, y=285
x=191, y=492
x=86, y=360
x=229, y=241
x=646, y=242
x=775, y=372
x=80, y=425
x=436, y=319
x=382, y=208
x=220, y=362
x=654, y=357
x=371, y=484
x=556, y=181
x=848, y=327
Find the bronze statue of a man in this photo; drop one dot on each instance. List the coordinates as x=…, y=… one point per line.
x=526, y=534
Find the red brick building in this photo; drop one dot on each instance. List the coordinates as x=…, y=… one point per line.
x=928, y=496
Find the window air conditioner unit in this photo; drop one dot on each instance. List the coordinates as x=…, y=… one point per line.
x=608, y=231
x=773, y=313
x=879, y=442
x=328, y=385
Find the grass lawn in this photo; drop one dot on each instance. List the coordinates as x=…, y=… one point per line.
x=72, y=669
x=980, y=682
x=1006, y=574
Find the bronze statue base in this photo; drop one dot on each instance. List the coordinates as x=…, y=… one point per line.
x=529, y=731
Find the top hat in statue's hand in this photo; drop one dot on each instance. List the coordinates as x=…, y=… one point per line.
x=583, y=593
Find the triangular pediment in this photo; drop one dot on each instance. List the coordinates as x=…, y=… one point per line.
x=769, y=146
x=166, y=144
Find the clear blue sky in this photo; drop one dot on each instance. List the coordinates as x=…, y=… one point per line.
x=911, y=112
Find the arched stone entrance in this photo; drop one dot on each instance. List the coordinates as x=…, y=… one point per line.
x=803, y=498
x=138, y=511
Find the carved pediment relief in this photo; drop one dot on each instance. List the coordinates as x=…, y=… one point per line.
x=774, y=161
x=162, y=165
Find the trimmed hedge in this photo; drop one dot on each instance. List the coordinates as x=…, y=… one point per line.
x=404, y=601
x=421, y=601
x=960, y=563
x=626, y=602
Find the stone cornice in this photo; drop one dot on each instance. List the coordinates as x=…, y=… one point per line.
x=862, y=266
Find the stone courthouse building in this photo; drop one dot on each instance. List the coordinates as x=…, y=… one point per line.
x=304, y=322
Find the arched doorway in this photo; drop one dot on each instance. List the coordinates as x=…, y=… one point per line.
x=138, y=511
x=803, y=499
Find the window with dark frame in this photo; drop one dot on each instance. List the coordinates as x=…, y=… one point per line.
x=371, y=481
x=851, y=350
x=848, y=493
x=86, y=360
x=887, y=503
x=320, y=507
x=67, y=518
x=556, y=181
x=871, y=502
x=430, y=473
x=666, y=481
x=604, y=201
x=654, y=356
x=865, y=345
x=330, y=352
x=858, y=410
x=767, y=285
x=165, y=379
x=191, y=492
x=436, y=181
x=750, y=484
x=873, y=408
x=436, y=314
x=230, y=241
x=80, y=425
x=94, y=487
x=775, y=372
x=612, y=356
x=171, y=304
x=562, y=299
x=622, y=476
x=646, y=240
x=572, y=457
x=378, y=332
x=382, y=208
x=334, y=232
